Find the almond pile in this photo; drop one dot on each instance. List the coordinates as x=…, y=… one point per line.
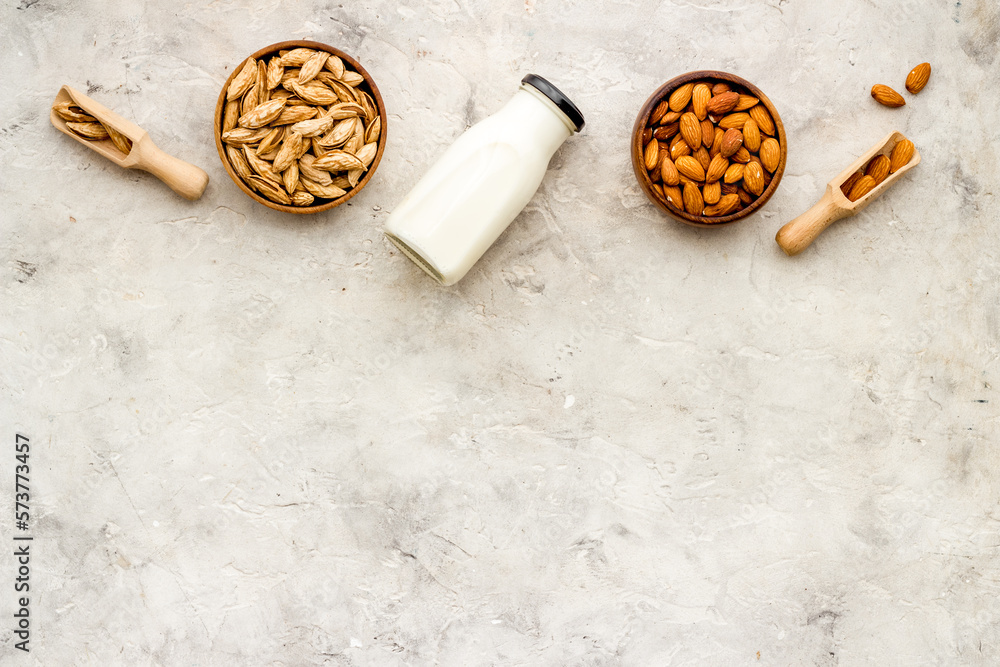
x=84, y=125
x=298, y=128
x=878, y=168
x=710, y=149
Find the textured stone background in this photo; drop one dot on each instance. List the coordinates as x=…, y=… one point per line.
x=261, y=439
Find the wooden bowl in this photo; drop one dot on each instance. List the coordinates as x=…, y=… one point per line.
x=368, y=86
x=638, y=165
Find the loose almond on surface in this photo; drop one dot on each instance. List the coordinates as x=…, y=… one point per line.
x=886, y=96
x=918, y=77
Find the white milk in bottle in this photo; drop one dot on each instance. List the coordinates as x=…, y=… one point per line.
x=484, y=179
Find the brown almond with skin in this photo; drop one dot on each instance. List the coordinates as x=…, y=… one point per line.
x=846, y=186
x=745, y=102
x=647, y=136
x=742, y=155
x=707, y=133
x=734, y=173
x=732, y=140
x=723, y=103
x=658, y=190
x=734, y=121
x=659, y=112
x=763, y=119
x=745, y=197
x=878, y=168
x=753, y=178
x=665, y=132
x=886, y=96
x=730, y=188
x=668, y=171
x=727, y=204
x=770, y=154
x=721, y=87
x=918, y=77
x=678, y=149
x=671, y=117
x=751, y=136
x=693, y=201
x=700, y=97
x=901, y=155
x=651, y=156
x=680, y=97
x=654, y=175
x=717, y=142
x=712, y=192
x=864, y=185
x=716, y=169
x=691, y=130
x=690, y=167
x=674, y=197
x=703, y=158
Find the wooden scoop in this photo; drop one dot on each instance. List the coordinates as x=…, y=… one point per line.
x=185, y=179
x=803, y=230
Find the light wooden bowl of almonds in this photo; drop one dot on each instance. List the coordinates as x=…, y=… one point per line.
x=300, y=126
x=708, y=148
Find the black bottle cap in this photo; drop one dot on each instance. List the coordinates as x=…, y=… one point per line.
x=565, y=105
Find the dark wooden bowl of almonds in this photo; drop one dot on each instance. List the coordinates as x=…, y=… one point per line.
x=300, y=126
x=708, y=148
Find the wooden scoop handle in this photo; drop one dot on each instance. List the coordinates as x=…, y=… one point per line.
x=796, y=236
x=183, y=178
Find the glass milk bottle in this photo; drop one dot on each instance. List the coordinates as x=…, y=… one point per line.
x=484, y=179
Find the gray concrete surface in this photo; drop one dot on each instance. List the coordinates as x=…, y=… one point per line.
x=265, y=440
